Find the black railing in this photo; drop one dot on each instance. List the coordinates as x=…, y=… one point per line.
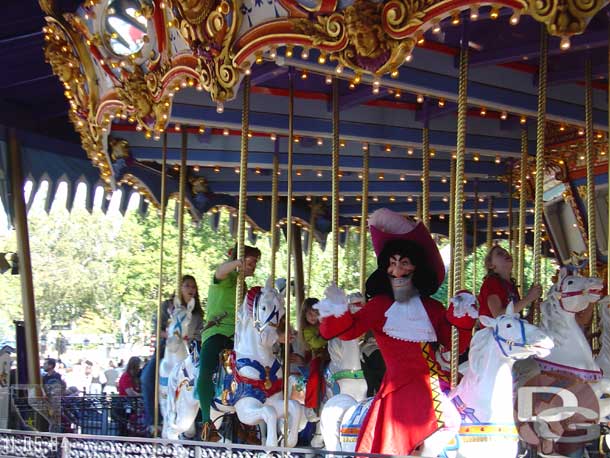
x=98, y=414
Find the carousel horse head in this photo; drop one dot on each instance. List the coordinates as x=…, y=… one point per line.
x=178, y=327
x=265, y=305
x=262, y=310
x=574, y=293
x=514, y=337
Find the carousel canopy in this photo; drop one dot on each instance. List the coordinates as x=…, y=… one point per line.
x=134, y=71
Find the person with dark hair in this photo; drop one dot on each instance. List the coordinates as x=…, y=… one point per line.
x=220, y=328
x=309, y=326
x=188, y=292
x=499, y=288
x=51, y=380
x=129, y=382
x=408, y=325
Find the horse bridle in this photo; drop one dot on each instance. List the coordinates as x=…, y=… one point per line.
x=563, y=295
x=261, y=325
x=511, y=343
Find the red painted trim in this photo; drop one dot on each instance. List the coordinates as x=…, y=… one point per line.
x=520, y=67
x=438, y=12
x=595, y=85
x=159, y=21
x=444, y=49
x=439, y=47
x=190, y=129
x=576, y=174
x=98, y=55
x=393, y=104
x=294, y=10
x=284, y=93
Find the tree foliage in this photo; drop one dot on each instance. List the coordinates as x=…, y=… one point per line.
x=101, y=272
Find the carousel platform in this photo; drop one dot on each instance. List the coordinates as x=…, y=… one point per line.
x=26, y=444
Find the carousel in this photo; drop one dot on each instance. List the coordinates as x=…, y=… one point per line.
x=478, y=121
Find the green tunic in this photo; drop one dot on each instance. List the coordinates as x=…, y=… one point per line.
x=221, y=298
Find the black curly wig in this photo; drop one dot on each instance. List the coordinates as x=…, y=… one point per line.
x=425, y=279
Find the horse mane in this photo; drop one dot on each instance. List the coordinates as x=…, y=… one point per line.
x=479, y=346
x=552, y=320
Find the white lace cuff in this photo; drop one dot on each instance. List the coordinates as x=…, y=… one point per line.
x=328, y=308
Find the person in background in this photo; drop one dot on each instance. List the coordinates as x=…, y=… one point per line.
x=52, y=381
x=129, y=382
x=309, y=324
x=220, y=316
x=188, y=291
x=499, y=288
x=112, y=376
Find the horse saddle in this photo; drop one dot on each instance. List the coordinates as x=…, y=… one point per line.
x=231, y=386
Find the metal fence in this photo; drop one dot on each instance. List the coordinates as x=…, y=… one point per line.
x=96, y=414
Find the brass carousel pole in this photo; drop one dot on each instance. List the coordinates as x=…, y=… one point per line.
x=310, y=239
x=335, y=182
x=182, y=191
x=363, y=219
x=490, y=222
x=540, y=163
x=274, y=204
x=425, y=193
x=163, y=204
x=289, y=240
x=591, y=209
x=458, y=206
x=243, y=194
x=511, y=245
x=474, y=238
x=451, y=229
x=522, y=203
x=20, y=223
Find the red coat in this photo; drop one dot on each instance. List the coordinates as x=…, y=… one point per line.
x=402, y=414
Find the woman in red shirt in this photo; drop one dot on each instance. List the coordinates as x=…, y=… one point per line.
x=499, y=288
x=129, y=383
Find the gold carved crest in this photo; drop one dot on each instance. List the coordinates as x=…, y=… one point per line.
x=564, y=17
x=209, y=28
x=364, y=44
x=138, y=92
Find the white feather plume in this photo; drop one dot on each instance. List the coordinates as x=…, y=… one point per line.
x=390, y=222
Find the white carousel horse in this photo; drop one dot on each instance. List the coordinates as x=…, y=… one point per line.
x=176, y=350
x=572, y=354
x=253, y=388
x=483, y=396
x=344, y=371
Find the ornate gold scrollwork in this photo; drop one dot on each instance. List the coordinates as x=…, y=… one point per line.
x=60, y=53
x=368, y=48
x=564, y=17
x=209, y=27
x=401, y=15
x=138, y=93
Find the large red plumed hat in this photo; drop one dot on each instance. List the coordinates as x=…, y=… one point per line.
x=386, y=225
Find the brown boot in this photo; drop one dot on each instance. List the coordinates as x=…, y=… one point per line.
x=248, y=435
x=209, y=432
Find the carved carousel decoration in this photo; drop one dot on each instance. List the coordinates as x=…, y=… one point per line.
x=127, y=59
